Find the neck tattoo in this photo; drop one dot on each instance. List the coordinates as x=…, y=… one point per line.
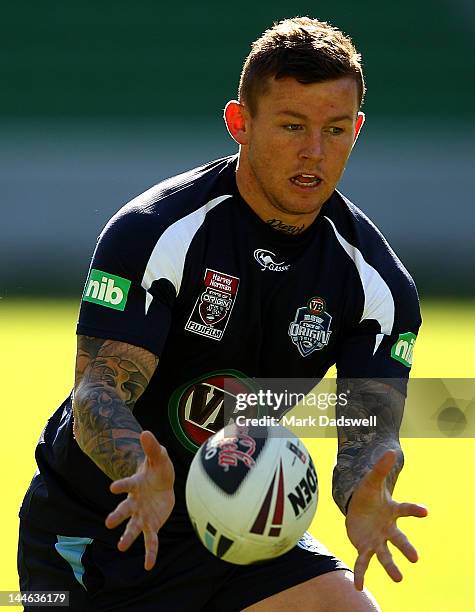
x=284, y=227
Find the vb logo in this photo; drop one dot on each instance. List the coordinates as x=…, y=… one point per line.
x=106, y=289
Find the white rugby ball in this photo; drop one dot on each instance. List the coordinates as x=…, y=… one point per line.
x=251, y=492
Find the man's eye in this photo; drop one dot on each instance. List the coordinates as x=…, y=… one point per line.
x=293, y=127
x=336, y=130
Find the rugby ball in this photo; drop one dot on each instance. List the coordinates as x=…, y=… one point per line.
x=251, y=492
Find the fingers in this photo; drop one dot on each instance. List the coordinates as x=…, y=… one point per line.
x=151, y=549
x=400, y=541
x=151, y=446
x=132, y=531
x=408, y=509
x=124, y=485
x=374, y=541
x=375, y=477
x=361, y=565
x=150, y=538
x=122, y=512
x=386, y=560
x=385, y=463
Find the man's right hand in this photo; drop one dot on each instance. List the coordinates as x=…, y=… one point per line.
x=150, y=499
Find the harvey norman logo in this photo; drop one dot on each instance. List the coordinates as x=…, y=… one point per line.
x=266, y=260
x=106, y=289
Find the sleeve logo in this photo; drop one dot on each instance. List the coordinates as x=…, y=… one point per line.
x=106, y=289
x=403, y=348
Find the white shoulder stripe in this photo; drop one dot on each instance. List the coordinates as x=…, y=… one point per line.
x=378, y=299
x=168, y=256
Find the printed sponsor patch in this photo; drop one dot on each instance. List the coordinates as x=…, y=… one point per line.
x=310, y=329
x=403, y=348
x=197, y=408
x=213, y=307
x=106, y=289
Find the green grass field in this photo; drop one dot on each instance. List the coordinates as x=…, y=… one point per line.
x=36, y=361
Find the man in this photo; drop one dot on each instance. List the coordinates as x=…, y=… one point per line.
x=212, y=274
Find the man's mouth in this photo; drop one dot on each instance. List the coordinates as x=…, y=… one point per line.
x=306, y=180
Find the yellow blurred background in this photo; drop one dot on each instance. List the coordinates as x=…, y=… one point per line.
x=37, y=359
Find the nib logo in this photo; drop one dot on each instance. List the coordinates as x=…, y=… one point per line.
x=403, y=348
x=106, y=289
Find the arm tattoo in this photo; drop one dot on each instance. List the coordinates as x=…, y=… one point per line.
x=284, y=227
x=359, y=448
x=110, y=378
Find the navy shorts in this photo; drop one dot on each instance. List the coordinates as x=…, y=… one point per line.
x=186, y=577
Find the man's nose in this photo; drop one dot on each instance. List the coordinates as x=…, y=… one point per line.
x=313, y=147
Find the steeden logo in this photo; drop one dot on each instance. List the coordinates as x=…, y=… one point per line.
x=106, y=289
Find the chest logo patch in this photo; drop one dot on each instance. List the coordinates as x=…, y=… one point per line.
x=266, y=260
x=212, y=309
x=310, y=329
x=197, y=409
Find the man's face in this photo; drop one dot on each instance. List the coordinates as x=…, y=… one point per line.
x=298, y=142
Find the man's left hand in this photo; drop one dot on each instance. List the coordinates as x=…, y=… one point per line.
x=371, y=521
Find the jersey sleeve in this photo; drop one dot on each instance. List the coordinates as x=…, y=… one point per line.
x=118, y=301
x=381, y=344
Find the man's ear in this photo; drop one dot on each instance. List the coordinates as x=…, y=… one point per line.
x=236, y=119
x=360, y=119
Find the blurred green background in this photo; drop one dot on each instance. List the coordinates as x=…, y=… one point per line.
x=154, y=60
x=100, y=100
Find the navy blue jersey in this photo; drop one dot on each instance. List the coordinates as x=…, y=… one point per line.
x=188, y=271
